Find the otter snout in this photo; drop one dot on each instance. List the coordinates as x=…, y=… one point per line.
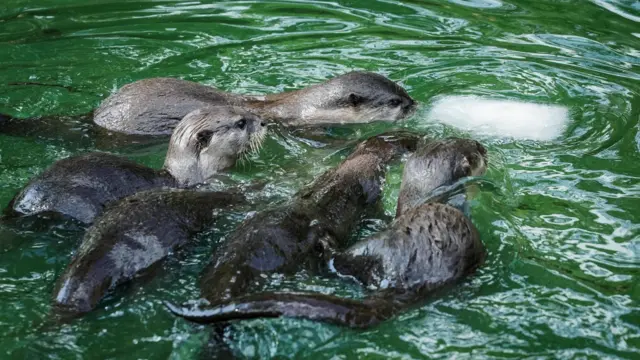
x=76, y=294
x=257, y=134
x=410, y=106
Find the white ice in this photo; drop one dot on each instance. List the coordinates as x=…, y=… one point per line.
x=501, y=118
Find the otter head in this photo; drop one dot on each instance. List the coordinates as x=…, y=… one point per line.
x=436, y=164
x=211, y=139
x=355, y=97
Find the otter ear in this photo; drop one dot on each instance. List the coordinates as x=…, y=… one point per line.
x=354, y=99
x=203, y=138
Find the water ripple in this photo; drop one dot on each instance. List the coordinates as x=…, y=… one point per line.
x=559, y=217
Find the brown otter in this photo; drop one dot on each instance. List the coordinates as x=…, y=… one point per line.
x=426, y=247
x=131, y=235
x=154, y=106
x=205, y=141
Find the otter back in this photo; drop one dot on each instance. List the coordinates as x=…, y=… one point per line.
x=80, y=186
x=129, y=237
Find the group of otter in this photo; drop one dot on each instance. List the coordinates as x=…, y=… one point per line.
x=136, y=216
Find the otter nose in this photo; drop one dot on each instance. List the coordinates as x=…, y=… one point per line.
x=263, y=123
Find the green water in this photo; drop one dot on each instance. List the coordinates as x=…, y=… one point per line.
x=560, y=219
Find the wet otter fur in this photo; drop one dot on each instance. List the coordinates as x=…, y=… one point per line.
x=425, y=248
x=285, y=238
x=132, y=235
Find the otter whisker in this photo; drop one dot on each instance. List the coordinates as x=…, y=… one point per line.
x=366, y=114
x=256, y=141
x=242, y=158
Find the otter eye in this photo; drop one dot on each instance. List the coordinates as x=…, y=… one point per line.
x=204, y=137
x=395, y=102
x=355, y=100
x=240, y=124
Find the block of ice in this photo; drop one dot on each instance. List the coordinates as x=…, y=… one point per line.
x=501, y=118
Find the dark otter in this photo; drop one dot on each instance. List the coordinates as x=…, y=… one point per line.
x=285, y=238
x=131, y=235
x=425, y=248
x=205, y=142
x=154, y=106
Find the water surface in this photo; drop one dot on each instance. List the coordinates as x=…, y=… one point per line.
x=560, y=217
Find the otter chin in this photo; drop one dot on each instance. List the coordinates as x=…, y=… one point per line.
x=154, y=106
x=205, y=142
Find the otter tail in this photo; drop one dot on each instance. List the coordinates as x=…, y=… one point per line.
x=331, y=309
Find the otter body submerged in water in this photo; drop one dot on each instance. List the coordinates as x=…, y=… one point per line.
x=428, y=246
x=205, y=142
x=130, y=236
x=285, y=238
x=154, y=106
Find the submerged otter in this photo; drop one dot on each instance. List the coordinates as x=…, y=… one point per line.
x=426, y=247
x=154, y=106
x=205, y=141
x=287, y=238
x=130, y=236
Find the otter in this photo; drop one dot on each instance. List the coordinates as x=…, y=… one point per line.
x=130, y=236
x=205, y=142
x=426, y=247
x=288, y=237
x=155, y=106
x=439, y=164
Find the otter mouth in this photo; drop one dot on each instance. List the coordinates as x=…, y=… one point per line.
x=410, y=109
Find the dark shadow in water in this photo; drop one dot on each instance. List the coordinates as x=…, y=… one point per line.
x=72, y=131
